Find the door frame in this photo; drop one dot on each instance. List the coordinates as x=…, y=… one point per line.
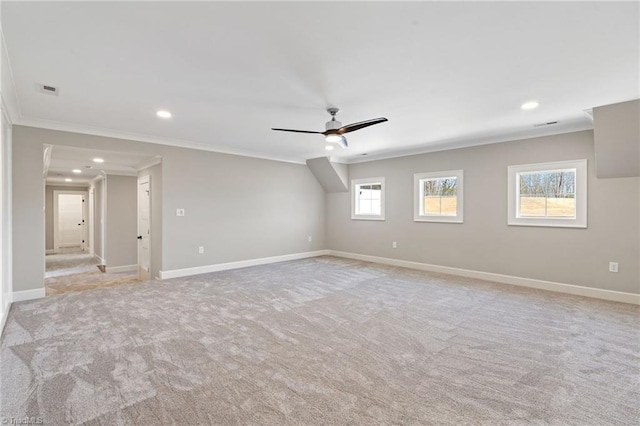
x=92, y=212
x=85, y=217
x=142, y=180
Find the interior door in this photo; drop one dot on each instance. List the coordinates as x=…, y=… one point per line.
x=144, y=228
x=70, y=220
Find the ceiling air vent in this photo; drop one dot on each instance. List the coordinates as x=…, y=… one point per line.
x=49, y=90
x=549, y=123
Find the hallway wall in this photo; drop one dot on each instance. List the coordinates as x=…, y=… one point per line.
x=121, y=221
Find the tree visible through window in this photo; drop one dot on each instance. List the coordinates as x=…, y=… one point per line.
x=438, y=196
x=547, y=194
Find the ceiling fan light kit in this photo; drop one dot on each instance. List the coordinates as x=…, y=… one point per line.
x=335, y=130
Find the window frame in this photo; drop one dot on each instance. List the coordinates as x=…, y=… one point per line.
x=418, y=196
x=513, y=197
x=368, y=181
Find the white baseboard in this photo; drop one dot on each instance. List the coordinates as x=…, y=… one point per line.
x=175, y=273
x=20, y=296
x=616, y=296
x=125, y=268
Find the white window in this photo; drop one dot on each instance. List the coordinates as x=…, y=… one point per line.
x=438, y=196
x=548, y=194
x=367, y=199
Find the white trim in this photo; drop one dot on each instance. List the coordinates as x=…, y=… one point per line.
x=49, y=182
x=176, y=273
x=418, y=197
x=96, y=179
x=365, y=181
x=103, y=221
x=91, y=217
x=125, y=268
x=147, y=164
x=50, y=251
x=565, y=127
x=46, y=159
x=21, y=296
x=7, y=221
x=142, y=274
x=597, y=293
x=96, y=131
x=581, y=190
x=3, y=320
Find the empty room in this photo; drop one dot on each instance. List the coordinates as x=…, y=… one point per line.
x=320, y=213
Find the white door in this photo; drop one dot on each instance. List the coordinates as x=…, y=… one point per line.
x=70, y=220
x=144, y=228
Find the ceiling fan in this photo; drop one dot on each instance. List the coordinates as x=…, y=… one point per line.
x=335, y=130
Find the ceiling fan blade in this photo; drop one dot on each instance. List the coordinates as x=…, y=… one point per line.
x=360, y=125
x=343, y=143
x=296, y=131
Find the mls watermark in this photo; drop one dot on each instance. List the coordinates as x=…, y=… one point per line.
x=22, y=420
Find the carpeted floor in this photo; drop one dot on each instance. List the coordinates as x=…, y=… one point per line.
x=321, y=341
x=69, y=261
x=88, y=281
x=72, y=270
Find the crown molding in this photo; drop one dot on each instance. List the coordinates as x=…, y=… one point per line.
x=116, y=134
x=147, y=164
x=470, y=141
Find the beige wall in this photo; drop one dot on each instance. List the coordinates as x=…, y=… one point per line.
x=238, y=208
x=48, y=210
x=121, y=221
x=484, y=242
x=617, y=139
x=155, y=175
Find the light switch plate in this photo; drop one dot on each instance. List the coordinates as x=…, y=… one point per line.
x=179, y=212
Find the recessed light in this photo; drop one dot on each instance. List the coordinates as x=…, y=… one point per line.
x=76, y=171
x=329, y=147
x=68, y=180
x=163, y=114
x=530, y=105
x=98, y=160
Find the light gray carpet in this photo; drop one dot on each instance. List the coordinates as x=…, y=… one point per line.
x=69, y=261
x=321, y=341
x=87, y=281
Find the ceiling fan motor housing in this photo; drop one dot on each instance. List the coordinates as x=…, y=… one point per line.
x=333, y=125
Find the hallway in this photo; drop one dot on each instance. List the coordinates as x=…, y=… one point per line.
x=73, y=270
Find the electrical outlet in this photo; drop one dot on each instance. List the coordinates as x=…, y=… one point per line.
x=310, y=239
x=613, y=266
x=179, y=212
x=394, y=244
x=201, y=250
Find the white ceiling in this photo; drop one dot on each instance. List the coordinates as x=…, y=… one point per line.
x=64, y=159
x=445, y=74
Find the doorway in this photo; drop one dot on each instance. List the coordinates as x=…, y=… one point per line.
x=70, y=221
x=95, y=233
